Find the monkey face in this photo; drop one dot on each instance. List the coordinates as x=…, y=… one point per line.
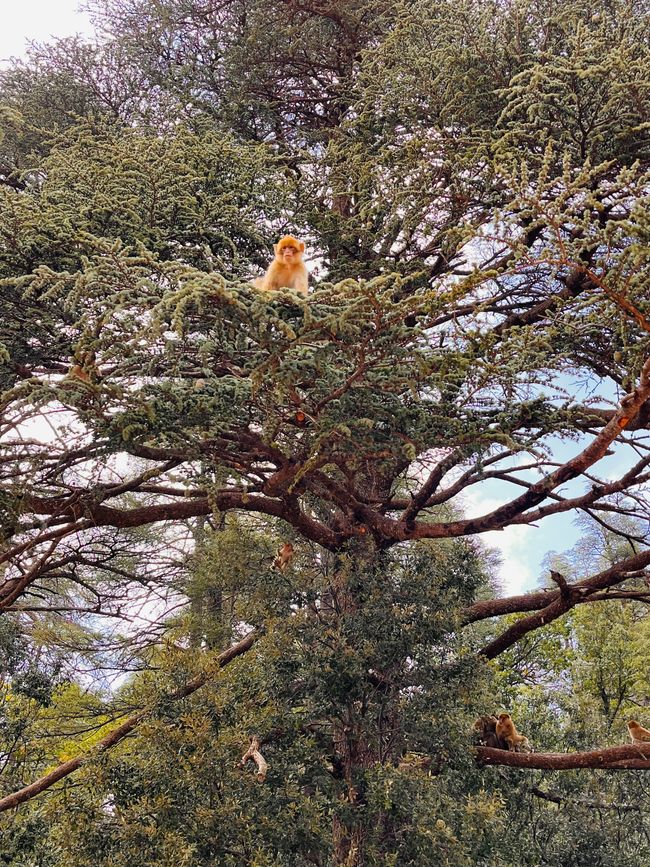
x=289, y=250
x=289, y=254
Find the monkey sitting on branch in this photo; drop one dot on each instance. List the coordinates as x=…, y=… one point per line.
x=507, y=732
x=638, y=734
x=485, y=729
x=287, y=270
x=500, y=734
x=83, y=367
x=285, y=554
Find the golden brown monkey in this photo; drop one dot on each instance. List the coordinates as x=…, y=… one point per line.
x=285, y=553
x=77, y=372
x=84, y=367
x=486, y=731
x=505, y=729
x=638, y=734
x=287, y=270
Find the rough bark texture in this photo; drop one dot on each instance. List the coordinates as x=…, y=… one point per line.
x=629, y=756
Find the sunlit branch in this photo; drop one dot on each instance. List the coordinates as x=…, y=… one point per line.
x=126, y=728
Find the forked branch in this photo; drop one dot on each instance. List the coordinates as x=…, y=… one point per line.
x=550, y=605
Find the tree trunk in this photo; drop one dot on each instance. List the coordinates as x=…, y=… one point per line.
x=358, y=732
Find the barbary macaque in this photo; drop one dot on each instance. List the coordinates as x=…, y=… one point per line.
x=84, y=367
x=638, y=734
x=77, y=372
x=486, y=733
x=506, y=730
x=287, y=270
x=285, y=553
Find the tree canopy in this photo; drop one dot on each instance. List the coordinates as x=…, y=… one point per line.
x=472, y=181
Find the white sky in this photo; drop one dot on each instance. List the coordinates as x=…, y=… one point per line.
x=38, y=20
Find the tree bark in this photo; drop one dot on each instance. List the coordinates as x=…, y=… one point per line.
x=614, y=758
x=66, y=768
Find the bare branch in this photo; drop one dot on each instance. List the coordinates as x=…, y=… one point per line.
x=253, y=753
x=557, y=798
x=224, y=500
x=615, y=758
x=581, y=591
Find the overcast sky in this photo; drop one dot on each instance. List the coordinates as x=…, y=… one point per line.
x=38, y=20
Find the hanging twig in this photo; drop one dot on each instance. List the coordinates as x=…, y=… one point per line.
x=253, y=752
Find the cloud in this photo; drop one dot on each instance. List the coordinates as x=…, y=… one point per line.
x=521, y=547
x=39, y=20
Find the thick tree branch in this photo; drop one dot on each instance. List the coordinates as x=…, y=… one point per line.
x=101, y=515
x=626, y=483
x=625, y=757
x=589, y=416
x=421, y=498
x=580, y=591
x=567, y=598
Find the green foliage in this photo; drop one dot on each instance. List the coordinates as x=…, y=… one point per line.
x=472, y=182
x=177, y=793
x=187, y=195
